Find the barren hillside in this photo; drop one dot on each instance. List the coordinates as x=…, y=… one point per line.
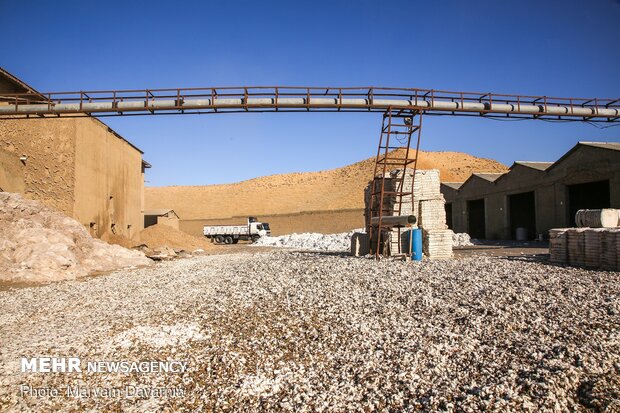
x=335, y=189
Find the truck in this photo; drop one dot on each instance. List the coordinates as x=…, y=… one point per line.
x=231, y=234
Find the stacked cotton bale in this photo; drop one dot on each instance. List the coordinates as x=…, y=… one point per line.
x=437, y=243
x=388, y=203
x=429, y=209
x=586, y=247
x=396, y=234
x=576, y=247
x=617, y=250
x=593, y=247
x=609, y=249
x=558, y=245
x=432, y=213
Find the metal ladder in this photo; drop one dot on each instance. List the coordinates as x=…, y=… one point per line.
x=397, y=130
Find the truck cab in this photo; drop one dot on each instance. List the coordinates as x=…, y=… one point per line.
x=266, y=228
x=257, y=230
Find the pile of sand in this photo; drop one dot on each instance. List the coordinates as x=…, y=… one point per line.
x=332, y=190
x=118, y=239
x=38, y=244
x=157, y=236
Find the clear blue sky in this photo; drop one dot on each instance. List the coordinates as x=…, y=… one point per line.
x=556, y=48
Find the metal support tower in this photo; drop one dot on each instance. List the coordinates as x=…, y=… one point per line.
x=394, y=151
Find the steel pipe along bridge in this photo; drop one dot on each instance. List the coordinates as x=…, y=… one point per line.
x=301, y=99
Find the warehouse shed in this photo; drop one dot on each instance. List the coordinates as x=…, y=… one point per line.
x=536, y=196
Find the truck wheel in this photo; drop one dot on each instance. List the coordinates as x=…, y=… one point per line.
x=255, y=238
x=235, y=241
x=219, y=239
x=228, y=240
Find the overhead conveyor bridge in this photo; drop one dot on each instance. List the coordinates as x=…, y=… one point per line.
x=296, y=99
x=402, y=110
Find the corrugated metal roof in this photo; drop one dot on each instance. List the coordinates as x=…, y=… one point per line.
x=605, y=145
x=613, y=146
x=491, y=177
x=453, y=185
x=20, y=84
x=541, y=166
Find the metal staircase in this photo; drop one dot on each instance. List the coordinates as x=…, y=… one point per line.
x=388, y=192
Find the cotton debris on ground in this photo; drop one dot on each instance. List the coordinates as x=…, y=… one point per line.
x=332, y=242
x=310, y=241
x=39, y=244
x=461, y=239
x=309, y=332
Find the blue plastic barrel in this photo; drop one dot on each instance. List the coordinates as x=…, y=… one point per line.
x=416, y=244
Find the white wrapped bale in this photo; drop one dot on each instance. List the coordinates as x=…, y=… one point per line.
x=597, y=218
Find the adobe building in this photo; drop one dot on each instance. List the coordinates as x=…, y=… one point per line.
x=79, y=166
x=536, y=196
x=161, y=216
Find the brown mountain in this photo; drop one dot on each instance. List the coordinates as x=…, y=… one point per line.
x=335, y=189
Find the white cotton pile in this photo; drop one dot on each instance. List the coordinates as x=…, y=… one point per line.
x=40, y=244
x=310, y=241
x=461, y=239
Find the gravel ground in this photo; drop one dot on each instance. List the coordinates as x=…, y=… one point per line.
x=292, y=331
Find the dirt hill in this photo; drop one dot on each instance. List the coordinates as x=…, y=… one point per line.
x=335, y=189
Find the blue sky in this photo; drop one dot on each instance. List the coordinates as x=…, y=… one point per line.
x=555, y=48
